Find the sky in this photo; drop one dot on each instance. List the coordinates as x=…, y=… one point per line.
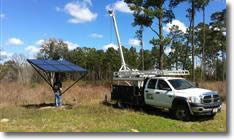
x=26, y=24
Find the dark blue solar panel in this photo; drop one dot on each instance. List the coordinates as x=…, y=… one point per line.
x=63, y=68
x=35, y=61
x=56, y=65
x=74, y=67
x=65, y=62
x=51, y=62
x=46, y=67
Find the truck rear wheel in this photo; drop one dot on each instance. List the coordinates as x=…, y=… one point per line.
x=119, y=104
x=182, y=113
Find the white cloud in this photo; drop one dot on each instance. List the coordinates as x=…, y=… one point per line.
x=167, y=50
x=2, y=15
x=120, y=6
x=71, y=46
x=134, y=42
x=4, y=54
x=32, y=49
x=14, y=41
x=224, y=33
x=216, y=29
x=111, y=45
x=181, y=26
x=96, y=35
x=80, y=12
x=40, y=42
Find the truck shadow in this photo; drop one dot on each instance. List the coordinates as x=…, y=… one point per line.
x=168, y=115
x=157, y=112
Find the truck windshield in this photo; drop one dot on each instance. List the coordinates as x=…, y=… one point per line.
x=179, y=84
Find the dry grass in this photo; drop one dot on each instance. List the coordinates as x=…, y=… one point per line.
x=86, y=94
x=82, y=93
x=219, y=86
x=19, y=94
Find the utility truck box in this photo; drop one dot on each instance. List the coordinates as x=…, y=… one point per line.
x=130, y=95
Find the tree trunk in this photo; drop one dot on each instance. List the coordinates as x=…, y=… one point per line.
x=52, y=77
x=224, y=66
x=187, y=47
x=203, y=46
x=142, y=53
x=193, y=15
x=216, y=68
x=161, y=45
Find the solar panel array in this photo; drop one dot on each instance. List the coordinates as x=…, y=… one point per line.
x=56, y=65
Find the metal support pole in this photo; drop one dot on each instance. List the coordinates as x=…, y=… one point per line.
x=73, y=84
x=42, y=75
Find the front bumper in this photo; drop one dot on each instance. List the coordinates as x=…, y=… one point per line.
x=205, y=109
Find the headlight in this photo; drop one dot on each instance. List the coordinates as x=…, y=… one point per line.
x=193, y=100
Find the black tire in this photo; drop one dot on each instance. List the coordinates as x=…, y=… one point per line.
x=119, y=104
x=171, y=113
x=212, y=115
x=182, y=113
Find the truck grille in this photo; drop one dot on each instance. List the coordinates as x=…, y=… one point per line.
x=208, y=99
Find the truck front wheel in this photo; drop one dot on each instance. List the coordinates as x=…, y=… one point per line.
x=212, y=115
x=182, y=113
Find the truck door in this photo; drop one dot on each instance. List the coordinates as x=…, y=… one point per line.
x=149, y=92
x=165, y=94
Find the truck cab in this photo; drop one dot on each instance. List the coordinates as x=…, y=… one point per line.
x=178, y=95
x=181, y=97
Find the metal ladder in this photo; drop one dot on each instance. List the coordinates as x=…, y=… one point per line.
x=136, y=75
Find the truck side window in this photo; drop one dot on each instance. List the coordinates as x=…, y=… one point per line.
x=152, y=84
x=163, y=85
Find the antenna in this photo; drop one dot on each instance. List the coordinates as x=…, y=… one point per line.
x=123, y=64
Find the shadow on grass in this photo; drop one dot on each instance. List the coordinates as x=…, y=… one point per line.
x=45, y=105
x=158, y=112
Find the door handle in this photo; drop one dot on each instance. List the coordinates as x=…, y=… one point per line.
x=157, y=92
x=170, y=96
x=146, y=91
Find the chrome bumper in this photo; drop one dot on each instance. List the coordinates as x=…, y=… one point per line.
x=202, y=109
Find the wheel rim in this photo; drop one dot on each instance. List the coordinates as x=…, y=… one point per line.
x=119, y=104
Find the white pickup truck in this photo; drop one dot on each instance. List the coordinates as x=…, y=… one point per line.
x=177, y=95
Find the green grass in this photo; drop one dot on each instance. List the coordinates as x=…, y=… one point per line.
x=100, y=118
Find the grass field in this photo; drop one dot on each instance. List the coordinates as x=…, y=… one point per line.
x=22, y=106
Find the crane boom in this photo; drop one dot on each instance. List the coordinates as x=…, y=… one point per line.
x=123, y=64
x=127, y=74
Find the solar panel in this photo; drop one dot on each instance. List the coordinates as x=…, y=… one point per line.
x=56, y=65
